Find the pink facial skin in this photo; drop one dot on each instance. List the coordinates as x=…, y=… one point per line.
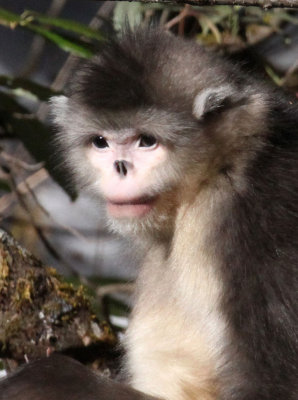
x=127, y=195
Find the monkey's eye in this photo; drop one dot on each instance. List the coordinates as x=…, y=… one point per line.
x=147, y=141
x=100, y=142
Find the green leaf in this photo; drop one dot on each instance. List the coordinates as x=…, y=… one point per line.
x=276, y=79
x=66, y=24
x=12, y=20
x=60, y=41
x=40, y=92
x=9, y=18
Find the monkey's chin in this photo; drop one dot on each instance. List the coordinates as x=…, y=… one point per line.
x=133, y=209
x=152, y=224
x=145, y=216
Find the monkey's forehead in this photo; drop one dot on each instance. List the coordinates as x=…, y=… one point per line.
x=84, y=120
x=146, y=68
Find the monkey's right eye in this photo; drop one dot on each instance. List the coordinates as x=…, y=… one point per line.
x=100, y=142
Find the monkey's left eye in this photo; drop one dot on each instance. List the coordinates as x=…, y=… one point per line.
x=147, y=141
x=100, y=142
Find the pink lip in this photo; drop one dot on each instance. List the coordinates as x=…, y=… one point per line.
x=131, y=208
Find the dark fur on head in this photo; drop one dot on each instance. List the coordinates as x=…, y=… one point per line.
x=116, y=69
x=149, y=67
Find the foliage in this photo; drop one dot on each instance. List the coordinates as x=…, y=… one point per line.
x=47, y=27
x=16, y=119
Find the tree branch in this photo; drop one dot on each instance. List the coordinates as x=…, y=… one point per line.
x=40, y=313
x=265, y=4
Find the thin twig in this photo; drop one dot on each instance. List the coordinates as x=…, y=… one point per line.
x=33, y=181
x=176, y=20
x=14, y=161
x=37, y=229
x=115, y=288
x=69, y=229
x=265, y=4
x=291, y=70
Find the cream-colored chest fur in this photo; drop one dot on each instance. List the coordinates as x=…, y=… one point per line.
x=178, y=334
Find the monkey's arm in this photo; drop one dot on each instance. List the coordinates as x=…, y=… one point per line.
x=62, y=378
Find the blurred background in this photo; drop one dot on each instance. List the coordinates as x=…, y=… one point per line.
x=41, y=43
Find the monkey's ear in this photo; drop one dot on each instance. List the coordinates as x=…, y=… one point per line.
x=212, y=100
x=59, y=107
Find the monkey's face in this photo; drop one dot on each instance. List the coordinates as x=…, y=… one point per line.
x=136, y=169
x=126, y=165
x=134, y=175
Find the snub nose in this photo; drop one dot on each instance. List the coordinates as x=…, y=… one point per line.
x=121, y=167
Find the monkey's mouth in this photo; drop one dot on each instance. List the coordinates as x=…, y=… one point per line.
x=131, y=208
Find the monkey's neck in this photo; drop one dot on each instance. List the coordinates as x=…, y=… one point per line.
x=190, y=241
x=184, y=276
x=198, y=215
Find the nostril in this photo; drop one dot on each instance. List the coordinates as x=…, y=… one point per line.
x=121, y=167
